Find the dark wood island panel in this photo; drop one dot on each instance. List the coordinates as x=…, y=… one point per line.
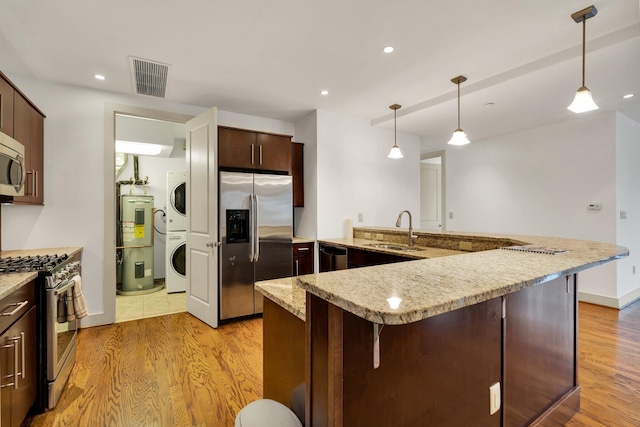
x=436, y=371
x=433, y=372
x=283, y=352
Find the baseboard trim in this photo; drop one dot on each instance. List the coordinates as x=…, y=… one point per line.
x=618, y=303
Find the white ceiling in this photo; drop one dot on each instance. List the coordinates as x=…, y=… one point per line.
x=272, y=58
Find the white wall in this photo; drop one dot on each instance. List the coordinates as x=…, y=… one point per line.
x=628, y=199
x=355, y=176
x=73, y=213
x=305, y=219
x=74, y=170
x=539, y=182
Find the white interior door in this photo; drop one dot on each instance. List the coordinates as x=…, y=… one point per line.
x=202, y=217
x=430, y=197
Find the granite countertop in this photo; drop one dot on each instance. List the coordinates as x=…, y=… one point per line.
x=11, y=282
x=300, y=239
x=438, y=284
x=420, y=253
x=286, y=294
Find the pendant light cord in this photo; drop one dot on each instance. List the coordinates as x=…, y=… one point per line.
x=395, y=131
x=458, y=104
x=584, y=44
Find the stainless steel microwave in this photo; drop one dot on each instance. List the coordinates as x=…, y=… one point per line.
x=12, y=173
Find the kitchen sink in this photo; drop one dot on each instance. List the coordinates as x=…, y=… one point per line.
x=394, y=247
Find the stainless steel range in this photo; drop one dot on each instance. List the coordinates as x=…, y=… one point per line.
x=56, y=329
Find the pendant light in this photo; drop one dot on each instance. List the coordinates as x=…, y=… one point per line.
x=459, y=137
x=395, y=152
x=583, y=101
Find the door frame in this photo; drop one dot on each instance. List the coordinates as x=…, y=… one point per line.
x=443, y=186
x=108, y=314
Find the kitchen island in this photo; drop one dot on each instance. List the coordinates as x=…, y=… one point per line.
x=436, y=341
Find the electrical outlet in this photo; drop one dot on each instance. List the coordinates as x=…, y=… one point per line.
x=494, y=398
x=360, y=217
x=450, y=215
x=634, y=269
x=623, y=214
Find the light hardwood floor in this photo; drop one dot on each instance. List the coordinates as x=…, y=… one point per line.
x=175, y=371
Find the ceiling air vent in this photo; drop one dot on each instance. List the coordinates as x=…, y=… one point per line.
x=149, y=78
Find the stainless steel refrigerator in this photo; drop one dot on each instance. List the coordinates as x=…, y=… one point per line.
x=256, y=227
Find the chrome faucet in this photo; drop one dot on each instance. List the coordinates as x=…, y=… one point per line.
x=399, y=221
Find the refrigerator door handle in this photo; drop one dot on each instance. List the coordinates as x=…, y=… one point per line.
x=257, y=234
x=252, y=230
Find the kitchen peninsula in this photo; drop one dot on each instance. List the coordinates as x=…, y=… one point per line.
x=467, y=334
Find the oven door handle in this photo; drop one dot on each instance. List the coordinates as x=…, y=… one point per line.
x=64, y=286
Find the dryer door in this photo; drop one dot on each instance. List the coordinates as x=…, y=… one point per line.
x=179, y=198
x=178, y=259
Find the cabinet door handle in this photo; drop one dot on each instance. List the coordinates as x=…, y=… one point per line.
x=35, y=183
x=260, y=150
x=297, y=267
x=14, y=344
x=302, y=249
x=19, y=306
x=23, y=358
x=252, y=154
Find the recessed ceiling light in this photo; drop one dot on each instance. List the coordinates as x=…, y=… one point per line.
x=99, y=76
x=629, y=95
x=324, y=92
x=388, y=49
x=489, y=104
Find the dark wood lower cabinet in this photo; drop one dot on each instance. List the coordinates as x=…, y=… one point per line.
x=18, y=364
x=303, y=258
x=540, y=349
x=362, y=258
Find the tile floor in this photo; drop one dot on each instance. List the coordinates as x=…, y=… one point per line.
x=132, y=307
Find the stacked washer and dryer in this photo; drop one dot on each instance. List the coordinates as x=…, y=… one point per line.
x=176, y=244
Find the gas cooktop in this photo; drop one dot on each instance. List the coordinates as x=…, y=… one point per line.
x=21, y=264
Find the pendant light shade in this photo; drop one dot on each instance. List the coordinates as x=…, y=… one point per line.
x=583, y=101
x=459, y=137
x=395, y=152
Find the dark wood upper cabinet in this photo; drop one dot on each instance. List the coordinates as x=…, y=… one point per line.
x=273, y=152
x=6, y=107
x=22, y=120
x=245, y=149
x=236, y=148
x=297, y=171
x=28, y=129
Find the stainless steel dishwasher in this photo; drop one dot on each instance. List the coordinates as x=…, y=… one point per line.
x=332, y=257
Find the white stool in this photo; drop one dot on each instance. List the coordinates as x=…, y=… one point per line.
x=266, y=413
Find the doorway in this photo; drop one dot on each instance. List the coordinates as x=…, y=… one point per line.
x=432, y=191
x=149, y=157
x=153, y=169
